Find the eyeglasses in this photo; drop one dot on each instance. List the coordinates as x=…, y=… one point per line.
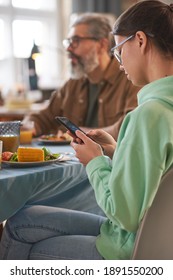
x=75, y=41
x=117, y=53
x=115, y=50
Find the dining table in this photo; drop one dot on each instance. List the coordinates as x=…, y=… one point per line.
x=18, y=113
x=62, y=183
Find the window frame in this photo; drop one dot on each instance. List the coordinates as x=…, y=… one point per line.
x=51, y=18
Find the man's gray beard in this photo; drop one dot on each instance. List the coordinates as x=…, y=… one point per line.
x=82, y=69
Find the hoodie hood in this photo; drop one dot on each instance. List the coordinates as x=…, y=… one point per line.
x=161, y=89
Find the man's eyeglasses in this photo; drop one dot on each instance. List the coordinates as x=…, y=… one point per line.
x=75, y=41
x=115, y=50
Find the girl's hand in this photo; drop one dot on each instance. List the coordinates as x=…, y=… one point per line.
x=86, y=149
x=103, y=138
x=75, y=138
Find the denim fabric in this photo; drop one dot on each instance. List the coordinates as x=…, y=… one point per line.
x=71, y=195
x=41, y=232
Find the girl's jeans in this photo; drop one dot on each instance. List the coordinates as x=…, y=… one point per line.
x=42, y=232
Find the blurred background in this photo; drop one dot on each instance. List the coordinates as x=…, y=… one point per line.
x=28, y=27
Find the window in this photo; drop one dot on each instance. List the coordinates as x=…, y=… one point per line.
x=34, y=4
x=23, y=23
x=25, y=33
x=1, y=39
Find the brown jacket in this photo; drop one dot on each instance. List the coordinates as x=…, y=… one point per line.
x=117, y=97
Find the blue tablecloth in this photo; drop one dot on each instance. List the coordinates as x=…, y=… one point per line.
x=61, y=184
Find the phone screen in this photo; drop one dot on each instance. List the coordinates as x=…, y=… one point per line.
x=68, y=124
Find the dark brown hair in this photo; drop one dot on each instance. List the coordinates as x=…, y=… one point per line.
x=152, y=17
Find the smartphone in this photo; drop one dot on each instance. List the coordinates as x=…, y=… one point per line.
x=68, y=124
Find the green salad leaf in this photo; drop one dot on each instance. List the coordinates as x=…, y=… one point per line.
x=48, y=155
x=14, y=157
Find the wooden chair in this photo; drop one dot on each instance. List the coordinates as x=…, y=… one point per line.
x=154, y=239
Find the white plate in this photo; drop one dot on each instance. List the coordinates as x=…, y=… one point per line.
x=33, y=163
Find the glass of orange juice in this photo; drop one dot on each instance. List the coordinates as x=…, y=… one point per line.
x=9, y=135
x=26, y=132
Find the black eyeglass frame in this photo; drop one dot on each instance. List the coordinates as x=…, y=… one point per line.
x=74, y=41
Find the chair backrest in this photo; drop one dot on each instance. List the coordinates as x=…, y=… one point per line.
x=154, y=240
x=1, y=229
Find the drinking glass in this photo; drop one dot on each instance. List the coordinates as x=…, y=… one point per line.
x=9, y=135
x=26, y=132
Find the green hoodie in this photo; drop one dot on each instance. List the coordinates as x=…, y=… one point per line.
x=126, y=186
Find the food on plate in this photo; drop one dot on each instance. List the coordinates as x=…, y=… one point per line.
x=60, y=136
x=29, y=154
x=6, y=156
